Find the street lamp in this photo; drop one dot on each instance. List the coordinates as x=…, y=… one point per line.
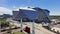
x=33, y=28
x=21, y=25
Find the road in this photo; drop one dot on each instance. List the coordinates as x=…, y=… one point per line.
x=38, y=27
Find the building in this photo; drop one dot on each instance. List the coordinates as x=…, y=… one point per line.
x=55, y=21
x=42, y=17
x=1, y=18
x=5, y=16
x=55, y=28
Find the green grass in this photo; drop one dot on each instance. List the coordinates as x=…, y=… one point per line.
x=4, y=23
x=47, y=27
x=54, y=17
x=19, y=32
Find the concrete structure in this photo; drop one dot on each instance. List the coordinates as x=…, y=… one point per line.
x=56, y=28
x=42, y=17
x=5, y=16
x=55, y=21
x=55, y=25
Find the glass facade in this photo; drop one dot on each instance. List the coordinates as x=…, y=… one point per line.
x=39, y=15
x=31, y=14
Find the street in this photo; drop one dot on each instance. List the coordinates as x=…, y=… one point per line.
x=38, y=27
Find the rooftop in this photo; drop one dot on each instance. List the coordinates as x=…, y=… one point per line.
x=24, y=8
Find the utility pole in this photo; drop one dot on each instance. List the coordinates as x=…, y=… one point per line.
x=33, y=28
x=21, y=25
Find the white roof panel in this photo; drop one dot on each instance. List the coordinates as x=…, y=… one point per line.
x=27, y=9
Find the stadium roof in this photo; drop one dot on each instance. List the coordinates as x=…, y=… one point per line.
x=24, y=8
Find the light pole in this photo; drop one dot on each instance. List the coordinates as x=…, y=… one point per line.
x=33, y=28
x=21, y=25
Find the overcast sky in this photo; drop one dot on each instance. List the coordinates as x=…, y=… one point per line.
x=6, y=6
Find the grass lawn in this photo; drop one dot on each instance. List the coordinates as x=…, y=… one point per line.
x=19, y=32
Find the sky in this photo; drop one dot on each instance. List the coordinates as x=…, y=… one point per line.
x=7, y=6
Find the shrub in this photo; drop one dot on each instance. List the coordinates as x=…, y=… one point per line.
x=47, y=27
x=4, y=23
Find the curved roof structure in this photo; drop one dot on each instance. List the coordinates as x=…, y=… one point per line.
x=32, y=13
x=28, y=9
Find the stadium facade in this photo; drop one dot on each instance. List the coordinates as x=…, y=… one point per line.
x=42, y=17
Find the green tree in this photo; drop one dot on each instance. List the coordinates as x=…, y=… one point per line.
x=4, y=23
